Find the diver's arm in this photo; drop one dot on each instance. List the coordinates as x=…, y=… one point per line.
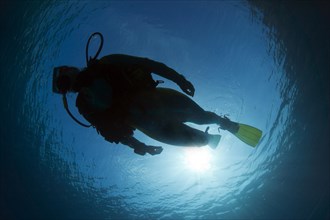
x=169, y=73
x=139, y=147
x=154, y=67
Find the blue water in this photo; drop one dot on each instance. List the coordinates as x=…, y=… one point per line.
x=262, y=63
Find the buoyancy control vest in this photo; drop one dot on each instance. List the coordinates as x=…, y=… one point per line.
x=126, y=81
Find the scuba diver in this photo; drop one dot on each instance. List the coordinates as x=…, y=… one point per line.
x=117, y=95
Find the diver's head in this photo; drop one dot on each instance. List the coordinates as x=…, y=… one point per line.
x=64, y=78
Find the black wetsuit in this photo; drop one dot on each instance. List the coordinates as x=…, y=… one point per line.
x=127, y=76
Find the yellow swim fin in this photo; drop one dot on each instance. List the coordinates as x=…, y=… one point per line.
x=248, y=134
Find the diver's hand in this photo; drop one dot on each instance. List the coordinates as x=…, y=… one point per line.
x=187, y=87
x=140, y=151
x=154, y=150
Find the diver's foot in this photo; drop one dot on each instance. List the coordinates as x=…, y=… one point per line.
x=154, y=150
x=226, y=124
x=148, y=149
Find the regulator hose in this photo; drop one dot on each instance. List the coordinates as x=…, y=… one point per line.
x=90, y=60
x=66, y=106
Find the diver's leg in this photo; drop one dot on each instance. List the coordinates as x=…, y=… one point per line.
x=184, y=109
x=180, y=107
x=170, y=105
x=176, y=133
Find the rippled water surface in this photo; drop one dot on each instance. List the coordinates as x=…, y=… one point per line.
x=259, y=63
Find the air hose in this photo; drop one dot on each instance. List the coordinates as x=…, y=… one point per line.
x=66, y=106
x=90, y=60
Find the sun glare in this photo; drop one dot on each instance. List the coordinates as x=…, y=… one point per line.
x=198, y=159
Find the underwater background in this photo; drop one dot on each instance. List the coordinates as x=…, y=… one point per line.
x=263, y=63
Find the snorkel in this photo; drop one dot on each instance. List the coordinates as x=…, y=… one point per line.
x=63, y=77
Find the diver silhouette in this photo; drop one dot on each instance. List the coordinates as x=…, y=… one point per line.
x=117, y=95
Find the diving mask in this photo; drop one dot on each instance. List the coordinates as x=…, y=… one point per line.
x=63, y=78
